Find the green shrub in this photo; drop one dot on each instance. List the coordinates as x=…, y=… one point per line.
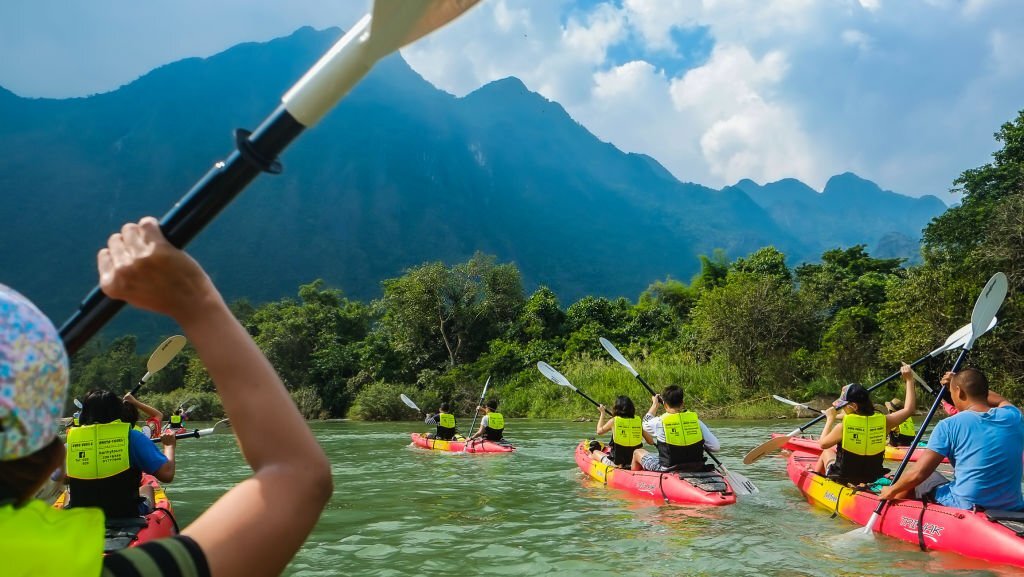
x=380, y=402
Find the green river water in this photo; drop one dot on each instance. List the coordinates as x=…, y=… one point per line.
x=399, y=510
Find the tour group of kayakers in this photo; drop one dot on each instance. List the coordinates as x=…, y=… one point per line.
x=242, y=532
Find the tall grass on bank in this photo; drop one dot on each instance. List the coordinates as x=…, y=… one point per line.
x=712, y=389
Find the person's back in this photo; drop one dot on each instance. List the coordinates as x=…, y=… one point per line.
x=493, y=422
x=986, y=451
x=627, y=437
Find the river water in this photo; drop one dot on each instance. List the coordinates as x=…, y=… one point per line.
x=399, y=510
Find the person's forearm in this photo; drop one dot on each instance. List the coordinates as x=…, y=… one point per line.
x=250, y=390
x=910, y=397
x=995, y=399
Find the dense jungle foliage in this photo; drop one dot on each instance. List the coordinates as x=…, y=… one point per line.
x=739, y=331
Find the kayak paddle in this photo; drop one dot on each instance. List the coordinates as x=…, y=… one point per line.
x=794, y=403
x=160, y=357
x=985, y=309
x=391, y=25
x=558, y=378
x=408, y=402
x=221, y=427
x=741, y=484
x=480, y=404
x=958, y=339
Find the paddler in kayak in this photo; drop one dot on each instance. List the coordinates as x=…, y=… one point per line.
x=445, y=422
x=627, y=430
x=903, y=435
x=113, y=482
x=680, y=436
x=853, y=450
x=984, y=441
x=243, y=532
x=492, y=424
x=177, y=420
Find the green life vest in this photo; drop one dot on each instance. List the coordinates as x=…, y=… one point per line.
x=907, y=428
x=628, y=432
x=40, y=540
x=495, y=421
x=97, y=451
x=446, y=420
x=864, y=435
x=684, y=441
x=136, y=427
x=682, y=429
x=175, y=419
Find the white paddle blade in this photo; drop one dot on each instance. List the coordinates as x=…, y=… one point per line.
x=987, y=305
x=959, y=338
x=393, y=24
x=554, y=376
x=165, y=352
x=78, y=403
x=408, y=402
x=794, y=403
x=614, y=352
x=399, y=22
x=920, y=381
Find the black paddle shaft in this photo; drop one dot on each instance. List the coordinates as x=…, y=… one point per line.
x=924, y=426
x=888, y=379
x=254, y=153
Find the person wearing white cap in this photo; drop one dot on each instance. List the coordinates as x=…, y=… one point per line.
x=253, y=529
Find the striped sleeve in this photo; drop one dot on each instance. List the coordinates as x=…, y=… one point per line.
x=177, y=556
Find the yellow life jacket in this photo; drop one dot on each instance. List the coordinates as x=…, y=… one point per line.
x=39, y=540
x=495, y=421
x=446, y=420
x=907, y=428
x=628, y=431
x=74, y=419
x=97, y=451
x=136, y=427
x=175, y=419
x=682, y=429
x=864, y=435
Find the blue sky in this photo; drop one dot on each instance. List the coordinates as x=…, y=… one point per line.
x=904, y=92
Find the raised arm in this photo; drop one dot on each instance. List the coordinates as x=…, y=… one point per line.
x=143, y=407
x=893, y=419
x=258, y=525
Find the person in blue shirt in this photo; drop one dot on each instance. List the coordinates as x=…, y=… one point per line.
x=122, y=494
x=984, y=441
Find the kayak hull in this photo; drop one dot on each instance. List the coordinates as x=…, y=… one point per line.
x=966, y=533
x=810, y=445
x=672, y=488
x=460, y=446
x=156, y=525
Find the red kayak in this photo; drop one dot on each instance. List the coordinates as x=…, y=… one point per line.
x=459, y=445
x=810, y=445
x=123, y=533
x=675, y=488
x=994, y=536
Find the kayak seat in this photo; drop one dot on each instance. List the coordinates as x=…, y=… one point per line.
x=709, y=482
x=122, y=532
x=1012, y=520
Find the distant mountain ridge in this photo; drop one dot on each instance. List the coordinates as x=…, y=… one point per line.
x=400, y=173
